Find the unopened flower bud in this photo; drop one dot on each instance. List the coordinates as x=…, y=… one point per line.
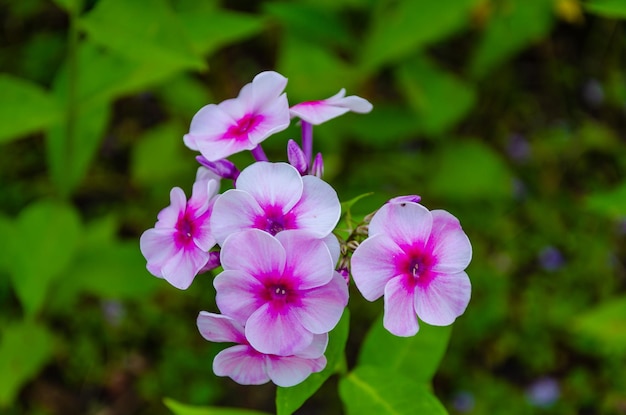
x=405, y=199
x=318, y=166
x=296, y=157
x=223, y=168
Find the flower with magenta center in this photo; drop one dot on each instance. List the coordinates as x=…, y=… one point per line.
x=274, y=197
x=247, y=366
x=283, y=289
x=416, y=259
x=176, y=249
x=234, y=125
x=320, y=111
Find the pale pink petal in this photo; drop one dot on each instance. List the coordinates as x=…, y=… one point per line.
x=274, y=118
x=400, y=318
x=443, y=298
x=242, y=364
x=408, y=224
x=308, y=260
x=168, y=216
x=238, y=294
x=317, y=347
x=319, y=209
x=219, y=148
x=291, y=370
x=266, y=87
x=448, y=244
x=373, y=265
x=356, y=104
x=182, y=268
x=322, y=307
x=254, y=252
x=272, y=184
x=233, y=211
x=157, y=246
x=332, y=243
x=220, y=328
x=205, y=174
x=316, y=112
x=275, y=332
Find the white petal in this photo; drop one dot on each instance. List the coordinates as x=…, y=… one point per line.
x=443, y=298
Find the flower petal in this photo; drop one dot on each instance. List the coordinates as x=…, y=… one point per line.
x=443, y=298
x=168, y=217
x=448, y=244
x=408, y=224
x=254, y=252
x=400, y=318
x=182, y=268
x=291, y=370
x=220, y=328
x=356, y=104
x=374, y=264
x=242, y=364
x=233, y=211
x=157, y=246
x=317, y=347
x=277, y=332
x=332, y=243
x=316, y=112
x=318, y=209
x=272, y=184
x=238, y=294
x=266, y=87
x=308, y=259
x=322, y=307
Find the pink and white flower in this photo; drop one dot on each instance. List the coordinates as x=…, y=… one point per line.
x=241, y=123
x=283, y=289
x=177, y=247
x=416, y=259
x=247, y=366
x=320, y=111
x=274, y=197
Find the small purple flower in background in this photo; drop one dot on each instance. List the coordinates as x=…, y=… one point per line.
x=247, y=366
x=551, y=259
x=544, y=392
x=463, y=401
x=318, y=112
x=241, y=123
x=283, y=289
x=416, y=259
x=274, y=197
x=593, y=92
x=518, y=148
x=177, y=247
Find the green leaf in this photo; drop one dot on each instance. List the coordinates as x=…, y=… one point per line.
x=515, y=25
x=377, y=391
x=24, y=108
x=469, y=170
x=7, y=232
x=605, y=325
x=158, y=155
x=69, y=161
x=403, y=27
x=144, y=32
x=25, y=348
x=288, y=400
x=347, y=205
x=44, y=244
x=607, y=8
x=209, y=28
x=311, y=22
x=416, y=357
x=180, y=409
x=320, y=72
x=428, y=90
x=609, y=203
x=184, y=95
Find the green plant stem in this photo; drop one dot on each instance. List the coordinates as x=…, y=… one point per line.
x=71, y=104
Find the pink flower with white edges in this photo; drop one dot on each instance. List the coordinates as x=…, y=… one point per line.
x=416, y=259
x=247, y=366
x=274, y=197
x=318, y=112
x=241, y=123
x=283, y=289
x=177, y=247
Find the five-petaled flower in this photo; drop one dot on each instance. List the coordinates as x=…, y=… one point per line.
x=176, y=249
x=234, y=125
x=283, y=289
x=274, y=197
x=247, y=366
x=416, y=258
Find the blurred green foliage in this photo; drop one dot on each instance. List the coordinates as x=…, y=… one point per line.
x=507, y=113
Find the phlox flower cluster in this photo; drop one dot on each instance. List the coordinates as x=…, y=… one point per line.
x=283, y=283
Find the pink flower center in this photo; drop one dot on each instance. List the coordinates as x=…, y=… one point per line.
x=243, y=127
x=275, y=221
x=186, y=229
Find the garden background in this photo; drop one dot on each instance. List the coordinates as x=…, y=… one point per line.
x=510, y=114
